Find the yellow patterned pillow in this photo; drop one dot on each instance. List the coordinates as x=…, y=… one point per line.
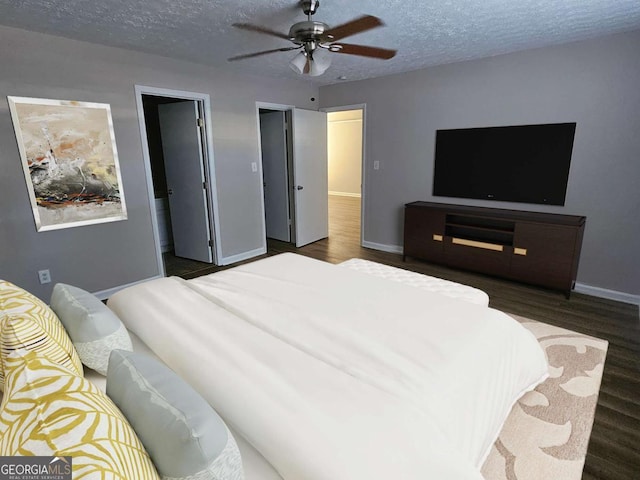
x=49, y=410
x=27, y=322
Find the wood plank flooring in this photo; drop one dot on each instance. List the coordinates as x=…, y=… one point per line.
x=614, y=448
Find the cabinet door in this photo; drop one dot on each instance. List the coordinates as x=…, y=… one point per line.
x=543, y=255
x=423, y=233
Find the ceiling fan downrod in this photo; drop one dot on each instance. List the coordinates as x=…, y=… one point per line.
x=310, y=7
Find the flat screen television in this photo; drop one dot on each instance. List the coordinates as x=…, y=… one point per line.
x=524, y=163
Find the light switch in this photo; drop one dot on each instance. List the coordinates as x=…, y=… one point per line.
x=254, y=167
x=376, y=165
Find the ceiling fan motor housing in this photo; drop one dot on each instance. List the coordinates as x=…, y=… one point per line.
x=309, y=31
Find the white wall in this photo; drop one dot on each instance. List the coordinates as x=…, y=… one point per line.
x=594, y=83
x=344, y=137
x=101, y=257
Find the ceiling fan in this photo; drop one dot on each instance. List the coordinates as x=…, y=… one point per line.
x=316, y=39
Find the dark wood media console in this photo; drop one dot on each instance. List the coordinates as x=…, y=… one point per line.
x=537, y=248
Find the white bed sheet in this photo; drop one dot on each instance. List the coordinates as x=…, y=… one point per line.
x=335, y=374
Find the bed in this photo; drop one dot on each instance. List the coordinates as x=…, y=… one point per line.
x=329, y=373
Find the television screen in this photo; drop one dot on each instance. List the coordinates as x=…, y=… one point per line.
x=525, y=163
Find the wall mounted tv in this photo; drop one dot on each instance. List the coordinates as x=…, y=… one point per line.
x=524, y=163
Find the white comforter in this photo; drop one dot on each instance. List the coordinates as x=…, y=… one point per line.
x=333, y=374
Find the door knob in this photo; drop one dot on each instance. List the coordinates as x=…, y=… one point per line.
x=299, y=187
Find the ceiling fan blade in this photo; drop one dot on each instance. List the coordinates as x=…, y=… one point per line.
x=257, y=54
x=259, y=29
x=358, y=25
x=363, y=51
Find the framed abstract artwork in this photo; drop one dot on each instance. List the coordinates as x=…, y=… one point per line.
x=70, y=162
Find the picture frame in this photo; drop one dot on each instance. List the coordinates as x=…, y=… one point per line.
x=70, y=161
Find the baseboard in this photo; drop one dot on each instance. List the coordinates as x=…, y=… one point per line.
x=243, y=256
x=345, y=194
x=104, y=294
x=382, y=247
x=609, y=294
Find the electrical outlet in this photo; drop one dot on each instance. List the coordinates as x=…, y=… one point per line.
x=44, y=276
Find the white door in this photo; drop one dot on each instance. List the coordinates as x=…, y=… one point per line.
x=182, y=148
x=273, y=140
x=310, y=176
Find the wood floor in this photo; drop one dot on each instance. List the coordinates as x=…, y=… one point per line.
x=614, y=448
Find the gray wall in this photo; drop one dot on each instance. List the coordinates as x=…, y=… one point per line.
x=595, y=83
x=108, y=255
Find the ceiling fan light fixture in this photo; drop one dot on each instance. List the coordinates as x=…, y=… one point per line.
x=298, y=62
x=320, y=61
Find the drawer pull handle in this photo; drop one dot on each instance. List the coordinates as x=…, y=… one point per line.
x=520, y=251
x=437, y=238
x=476, y=244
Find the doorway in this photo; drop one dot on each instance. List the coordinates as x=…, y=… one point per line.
x=277, y=174
x=345, y=138
x=293, y=152
x=179, y=164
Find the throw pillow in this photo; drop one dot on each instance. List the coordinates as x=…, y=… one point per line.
x=94, y=329
x=185, y=437
x=27, y=322
x=49, y=410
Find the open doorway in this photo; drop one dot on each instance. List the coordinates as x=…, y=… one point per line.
x=277, y=174
x=293, y=151
x=179, y=173
x=345, y=135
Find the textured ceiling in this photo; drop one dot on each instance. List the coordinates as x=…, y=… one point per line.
x=425, y=32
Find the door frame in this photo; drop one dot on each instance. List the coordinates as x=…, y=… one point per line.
x=282, y=108
x=209, y=165
x=363, y=176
